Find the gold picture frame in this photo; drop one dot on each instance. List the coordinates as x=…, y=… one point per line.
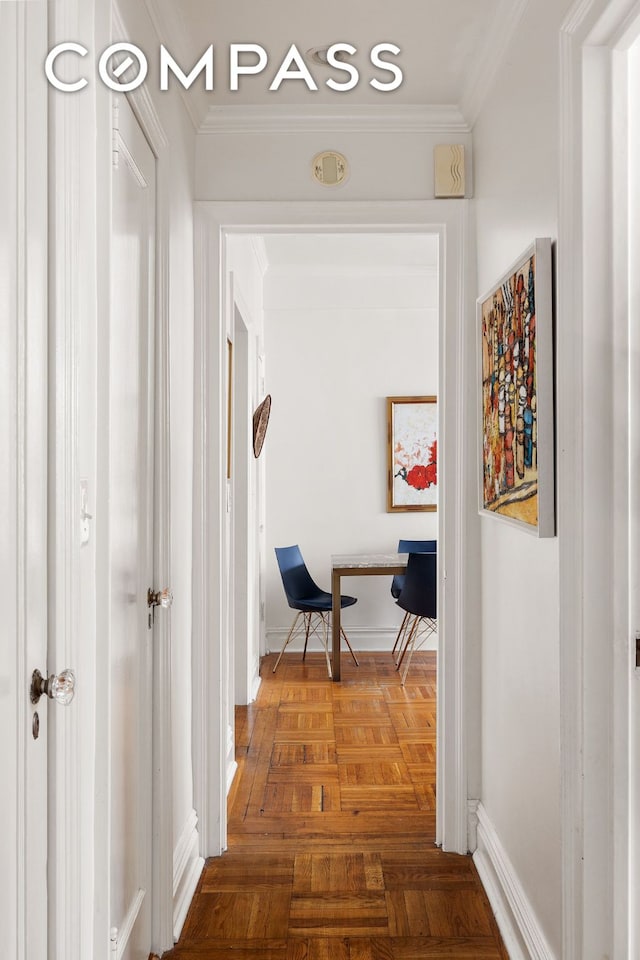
x=412, y=454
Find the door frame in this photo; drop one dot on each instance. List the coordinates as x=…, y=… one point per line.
x=593, y=468
x=244, y=519
x=458, y=767
x=80, y=151
x=24, y=430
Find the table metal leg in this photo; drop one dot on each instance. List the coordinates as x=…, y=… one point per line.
x=335, y=624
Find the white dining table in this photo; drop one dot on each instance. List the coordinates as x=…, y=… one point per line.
x=357, y=565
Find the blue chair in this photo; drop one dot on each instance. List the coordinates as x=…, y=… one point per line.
x=310, y=601
x=419, y=598
x=408, y=546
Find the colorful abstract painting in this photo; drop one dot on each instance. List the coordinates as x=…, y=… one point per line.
x=517, y=394
x=412, y=475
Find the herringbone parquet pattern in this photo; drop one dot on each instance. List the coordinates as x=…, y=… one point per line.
x=331, y=828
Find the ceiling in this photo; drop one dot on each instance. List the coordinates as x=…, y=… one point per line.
x=448, y=48
x=444, y=45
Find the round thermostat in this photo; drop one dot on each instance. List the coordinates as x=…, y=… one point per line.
x=329, y=168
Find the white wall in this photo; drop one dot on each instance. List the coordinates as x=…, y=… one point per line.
x=516, y=182
x=337, y=343
x=245, y=261
x=390, y=156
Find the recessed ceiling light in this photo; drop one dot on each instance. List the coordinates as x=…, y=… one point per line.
x=319, y=54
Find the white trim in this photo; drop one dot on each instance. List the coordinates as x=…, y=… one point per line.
x=472, y=828
x=187, y=867
x=73, y=861
x=120, y=147
x=482, y=75
x=169, y=28
x=140, y=99
x=23, y=486
x=148, y=118
x=255, y=686
x=183, y=848
x=185, y=895
x=232, y=764
x=209, y=506
x=390, y=120
x=119, y=936
x=570, y=492
x=242, y=325
x=458, y=704
x=523, y=936
x=458, y=711
x=162, y=652
x=597, y=912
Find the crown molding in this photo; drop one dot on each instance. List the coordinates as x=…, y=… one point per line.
x=166, y=23
x=140, y=99
x=483, y=73
x=242, y=119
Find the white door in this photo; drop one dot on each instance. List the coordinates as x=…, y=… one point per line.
x=632, y=235
x=130, y=535
x=23, y=482
x=634, y=584
x=634, y=512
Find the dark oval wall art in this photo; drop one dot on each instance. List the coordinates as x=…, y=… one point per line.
x=260, y=422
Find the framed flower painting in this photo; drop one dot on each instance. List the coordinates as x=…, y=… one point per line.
x=412, y=458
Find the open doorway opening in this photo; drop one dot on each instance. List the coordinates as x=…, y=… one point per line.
x=329, y=325
x=347, y=320
x=217, y=226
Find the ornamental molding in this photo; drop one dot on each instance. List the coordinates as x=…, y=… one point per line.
x=483, y=72
x=283, y=118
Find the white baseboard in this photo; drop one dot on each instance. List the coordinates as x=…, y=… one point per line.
x=187, y=867
x=119, y=936
x=255, y=686
x=370, y=639
x=521, y=931
x=231, y=764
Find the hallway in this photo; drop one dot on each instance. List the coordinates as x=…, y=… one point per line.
x=331, y=828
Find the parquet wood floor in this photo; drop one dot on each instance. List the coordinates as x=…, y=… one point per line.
x=331, y=828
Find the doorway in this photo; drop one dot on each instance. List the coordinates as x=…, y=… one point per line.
x=598, y=443
x=457, y=773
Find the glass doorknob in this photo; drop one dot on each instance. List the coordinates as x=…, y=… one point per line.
x=61, y=688
x=161, y=598
x=166, y=598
